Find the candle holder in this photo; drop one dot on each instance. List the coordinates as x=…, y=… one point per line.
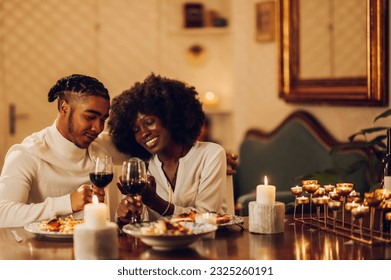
x=373, y=200
x=344, y=189
x=334, y=205
x=358, y=213
x=329, y=188
x=296, y=191
x=349, y=206
x=344, y=195
x=324, y=201
x=310, y=188
x=309, y=182
x=316, y=203
x=320, y=192
x=385, y=205
x=302, y=201
x=388, y=219
x=334, y=195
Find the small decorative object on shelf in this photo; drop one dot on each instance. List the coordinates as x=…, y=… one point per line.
x=194, y=15
x=340, y=198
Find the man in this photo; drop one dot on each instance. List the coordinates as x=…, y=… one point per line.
x=47, y=174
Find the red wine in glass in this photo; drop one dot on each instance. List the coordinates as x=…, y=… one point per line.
x=102, y=172
x=134, y=187
x=133, y=179
x=101, y=179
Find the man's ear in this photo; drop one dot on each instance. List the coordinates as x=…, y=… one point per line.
x=64, y=107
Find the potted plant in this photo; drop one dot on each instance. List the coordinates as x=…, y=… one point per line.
x=374, y=147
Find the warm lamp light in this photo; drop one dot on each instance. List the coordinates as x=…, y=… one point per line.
x=210, y=98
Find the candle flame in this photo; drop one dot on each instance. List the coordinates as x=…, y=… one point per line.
x=265, y=181
x=95, y=199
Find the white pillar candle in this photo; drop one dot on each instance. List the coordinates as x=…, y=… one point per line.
x=95, y=214
x=96, y=244
x=96, y=238
x=266, y=194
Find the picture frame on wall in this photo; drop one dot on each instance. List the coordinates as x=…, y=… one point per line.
x=265, y=21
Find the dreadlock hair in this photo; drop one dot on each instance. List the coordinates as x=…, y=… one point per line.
x=76, y=87
x=172, y=101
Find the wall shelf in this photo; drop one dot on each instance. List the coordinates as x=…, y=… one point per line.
x=201, y=31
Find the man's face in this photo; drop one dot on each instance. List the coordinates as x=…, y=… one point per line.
x=84, y=121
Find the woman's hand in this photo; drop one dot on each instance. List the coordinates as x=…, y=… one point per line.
x=148, y=194
x=130, y=205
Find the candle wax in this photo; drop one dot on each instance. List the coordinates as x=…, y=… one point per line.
x=266, y=194
x=95, y=215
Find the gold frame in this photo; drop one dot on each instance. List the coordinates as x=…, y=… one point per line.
x=369, y=90
x=265, y=21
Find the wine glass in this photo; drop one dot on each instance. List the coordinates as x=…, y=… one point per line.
x=102, y=172
x=134, y=179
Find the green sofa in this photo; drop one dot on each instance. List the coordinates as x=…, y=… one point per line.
x=300, y=146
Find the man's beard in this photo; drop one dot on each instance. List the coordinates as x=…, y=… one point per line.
x=70, y=122
x=71, y=128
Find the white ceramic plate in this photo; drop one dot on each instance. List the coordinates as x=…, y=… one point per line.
x=34, y=228
x=170, y=242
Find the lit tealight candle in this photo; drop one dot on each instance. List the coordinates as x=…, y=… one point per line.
x=351, y=205
x=329, y=188
x=297, y=190
x=302, y=200
x=266, y=194
x=360, y=211
x=95, y=214
x=334, y=195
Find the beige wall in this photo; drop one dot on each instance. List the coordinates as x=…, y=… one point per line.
x=255, y=87
x=138, y=37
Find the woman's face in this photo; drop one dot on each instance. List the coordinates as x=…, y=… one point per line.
x=151, y=134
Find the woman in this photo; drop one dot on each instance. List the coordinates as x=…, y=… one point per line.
x=159, y=120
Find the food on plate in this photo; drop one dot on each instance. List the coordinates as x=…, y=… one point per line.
x=165, y=227
x=185, y=217
x=64, y=225
x=191, y=217
x=222, y=219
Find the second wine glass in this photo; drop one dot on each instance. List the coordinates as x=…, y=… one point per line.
x=134, y=179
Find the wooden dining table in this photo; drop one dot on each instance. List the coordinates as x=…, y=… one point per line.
x=298, y=242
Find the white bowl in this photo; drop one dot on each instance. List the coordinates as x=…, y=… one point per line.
x=170, y=242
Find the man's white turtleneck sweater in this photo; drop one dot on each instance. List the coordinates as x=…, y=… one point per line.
x=40, y=173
